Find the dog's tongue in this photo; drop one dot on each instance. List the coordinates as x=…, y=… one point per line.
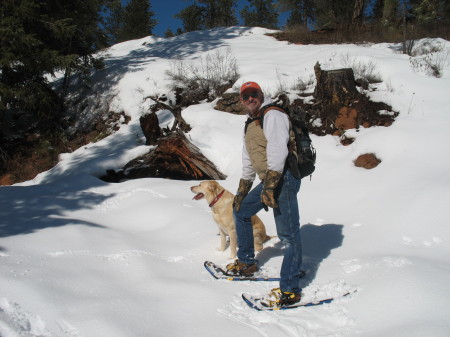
x=198, y=196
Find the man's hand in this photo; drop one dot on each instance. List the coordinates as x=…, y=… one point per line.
x=243, y=189
x=268, y=192
x=268, y=199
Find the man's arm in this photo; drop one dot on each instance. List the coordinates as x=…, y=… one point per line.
x=276, y=131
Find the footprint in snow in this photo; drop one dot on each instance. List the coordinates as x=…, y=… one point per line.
x=427, y=243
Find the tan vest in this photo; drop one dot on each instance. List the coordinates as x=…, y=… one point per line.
x=256, y=144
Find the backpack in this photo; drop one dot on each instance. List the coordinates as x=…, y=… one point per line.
x=301, y=159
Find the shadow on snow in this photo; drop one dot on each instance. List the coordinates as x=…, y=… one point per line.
x=27, y=209
x=178, y=47
x=317, y=244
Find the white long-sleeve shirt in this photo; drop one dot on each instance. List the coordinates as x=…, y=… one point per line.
x=276, y=131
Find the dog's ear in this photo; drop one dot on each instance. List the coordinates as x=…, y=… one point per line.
x=214, y=187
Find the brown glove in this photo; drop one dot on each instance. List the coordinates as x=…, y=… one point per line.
x=243, y=189
x=270, y=184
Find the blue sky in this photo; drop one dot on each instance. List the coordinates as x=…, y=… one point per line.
x=165, y=10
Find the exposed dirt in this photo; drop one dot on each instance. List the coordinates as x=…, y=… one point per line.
x=36, y=150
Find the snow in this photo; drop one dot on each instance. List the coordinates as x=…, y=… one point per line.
x=83, y=258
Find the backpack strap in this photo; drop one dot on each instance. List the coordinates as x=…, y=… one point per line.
x=250, y=120
x=266, y=108
x=260, y=115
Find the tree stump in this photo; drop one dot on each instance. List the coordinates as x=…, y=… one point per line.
x=175, y=157
x=335, y=86
x=150, y=127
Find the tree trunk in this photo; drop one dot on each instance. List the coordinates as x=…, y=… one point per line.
x=174, y=109
x=150, y=127
x=358, y=10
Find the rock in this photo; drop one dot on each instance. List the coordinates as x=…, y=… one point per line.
x=367, y=161
x=230, y=103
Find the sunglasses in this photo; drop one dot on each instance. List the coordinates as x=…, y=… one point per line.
x=253, y=94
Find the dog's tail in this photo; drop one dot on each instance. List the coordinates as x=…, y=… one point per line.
x=268, y=237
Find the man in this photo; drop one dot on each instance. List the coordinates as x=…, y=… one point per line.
x=264, y=153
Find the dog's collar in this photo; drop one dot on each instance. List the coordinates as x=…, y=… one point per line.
x=216, y=199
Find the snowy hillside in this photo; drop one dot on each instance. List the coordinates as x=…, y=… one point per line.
x=83, y=258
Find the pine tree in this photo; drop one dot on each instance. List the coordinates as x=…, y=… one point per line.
x=169, y=33
x=377, y=11
x=445, y=10
x=296, y=18
x=301, y=11
x=192, y=18
x=38, y=38
x=219, y=13
x=208, y=14
x=334, y=13
x=358, y=12
x=114, y=21
x=390, y=12
x=137, y=20
x=264, y=14
x=427, y=11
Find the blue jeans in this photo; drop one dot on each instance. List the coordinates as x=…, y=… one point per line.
x=287, y=220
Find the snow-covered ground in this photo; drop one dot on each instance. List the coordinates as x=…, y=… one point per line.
x=83, y=258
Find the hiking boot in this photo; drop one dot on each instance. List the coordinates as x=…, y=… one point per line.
x=240, y=268
x=277, y=298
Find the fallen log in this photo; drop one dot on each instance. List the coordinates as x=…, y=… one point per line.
x=175, y=157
